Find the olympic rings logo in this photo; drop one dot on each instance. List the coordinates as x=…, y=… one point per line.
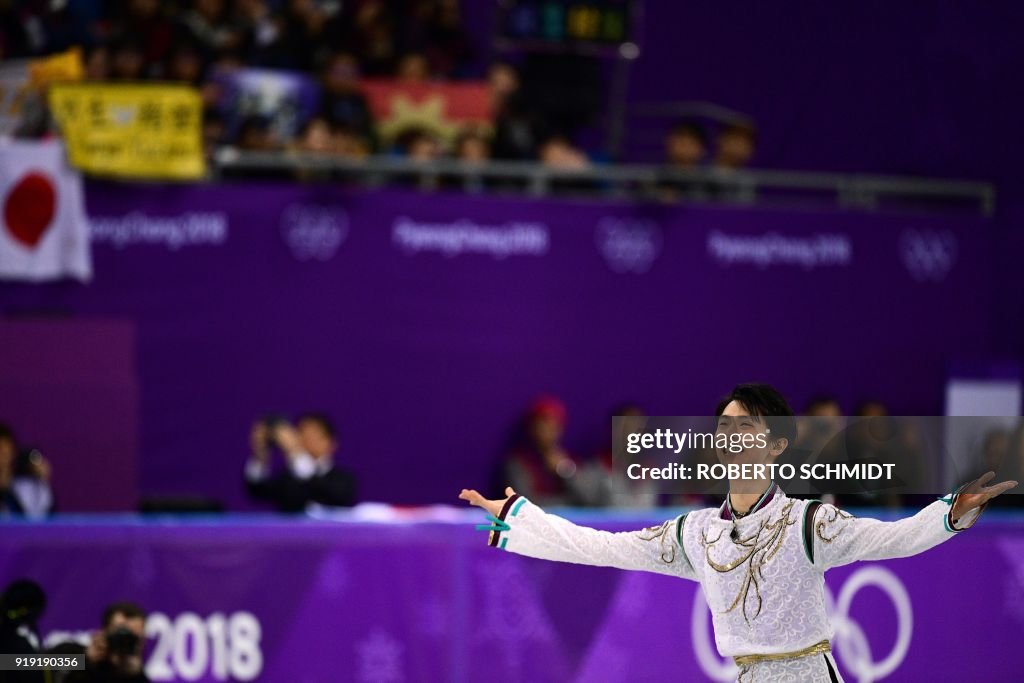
x=928, y=254
x=851, y=645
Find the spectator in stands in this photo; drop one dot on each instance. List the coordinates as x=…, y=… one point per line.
x=413, y=69
x=343, y=105
x=348, y=142
x=735, y=146
x=472, y=146
x=310, y=475
x=115, y=651
x=517, y=127
x=1013, y=464
x=559, y=153
x=539, y=467
x=1002, y=452
x=503, y=81
x=315, y=137
x=147, y=24
x=423, y=147
x=685, y=150
x=262, y=32
x=604, y=484
x=184, y=64
x=14, y=39
x=255, y=135
x=734, y=149
x=97, y=63
x=995, y=452
x=819, y=423
x=435, y=29
x=686, y=145
x=447, y=42
x=128, y=63
x=209, y=25
x=822, y=421
x=24, y=480
x=29, y=28
x=876, y=438
x=419, y=144
x=213, y=131
x=871, y=408
x=304, y=23
x=373, y=34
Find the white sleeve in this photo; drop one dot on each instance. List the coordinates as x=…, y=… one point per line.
x=525, y=529
x=34, y=495
x=840, y=538
x=302, y=465
x=256, y=470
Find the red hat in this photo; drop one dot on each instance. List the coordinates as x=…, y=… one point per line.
x=548, y=407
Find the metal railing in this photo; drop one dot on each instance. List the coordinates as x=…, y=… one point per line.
x=625, y=181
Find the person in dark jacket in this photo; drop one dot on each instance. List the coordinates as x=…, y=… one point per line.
x=310, y=475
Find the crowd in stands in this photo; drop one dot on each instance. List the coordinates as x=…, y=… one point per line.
x=541, y=468
x=292, y=466
x=338, y=45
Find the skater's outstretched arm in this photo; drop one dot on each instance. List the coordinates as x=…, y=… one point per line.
x=521, y=527
x=834, y=538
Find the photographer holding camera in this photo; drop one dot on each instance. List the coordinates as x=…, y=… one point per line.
x=21, y=605
x=310, y=475
x=24, y=480
x=115, y=652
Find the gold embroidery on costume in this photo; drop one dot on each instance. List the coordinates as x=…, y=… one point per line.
x=819, y=528
x=758, y=548
x=668, y=550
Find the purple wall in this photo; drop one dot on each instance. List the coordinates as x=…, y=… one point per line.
x=294, y=298
x=71, y=388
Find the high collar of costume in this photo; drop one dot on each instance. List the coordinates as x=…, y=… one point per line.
x=770, y=495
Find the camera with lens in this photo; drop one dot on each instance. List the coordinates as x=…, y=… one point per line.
x=122, y=641
x=272, y=422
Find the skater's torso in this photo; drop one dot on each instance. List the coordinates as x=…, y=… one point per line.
x=765, y=594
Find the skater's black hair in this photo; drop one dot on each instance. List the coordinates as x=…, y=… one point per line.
x=764, y=400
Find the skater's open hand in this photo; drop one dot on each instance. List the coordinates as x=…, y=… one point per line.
x=976, y=494
x=492, y=506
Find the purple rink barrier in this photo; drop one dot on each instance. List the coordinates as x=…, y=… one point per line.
x=333, y=601
x=426, y=323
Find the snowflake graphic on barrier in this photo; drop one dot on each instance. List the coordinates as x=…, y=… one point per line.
x=334, y=576
x=379, y=658
x=1013, y=588
x=512, y=615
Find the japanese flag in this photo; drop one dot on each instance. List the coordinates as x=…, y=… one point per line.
x=43, y=230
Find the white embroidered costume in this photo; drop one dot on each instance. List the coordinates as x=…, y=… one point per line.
x=762, y=574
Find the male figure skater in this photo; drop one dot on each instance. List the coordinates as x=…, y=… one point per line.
x=760, y=558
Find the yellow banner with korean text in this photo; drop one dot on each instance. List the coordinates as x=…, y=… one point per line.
x=151, y=131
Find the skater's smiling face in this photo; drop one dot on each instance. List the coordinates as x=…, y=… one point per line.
x=737, y=421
